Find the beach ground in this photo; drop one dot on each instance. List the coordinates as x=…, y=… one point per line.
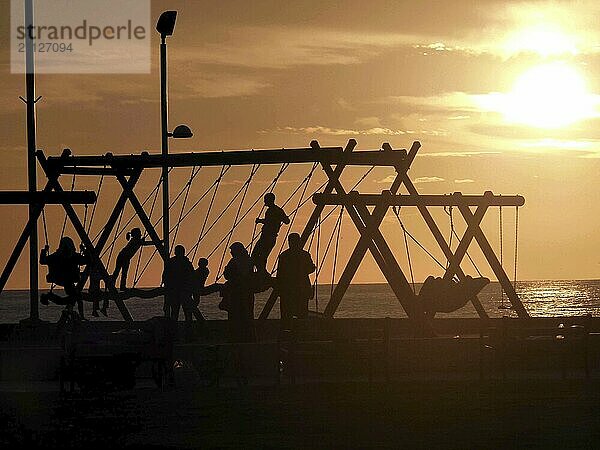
x=402, y=413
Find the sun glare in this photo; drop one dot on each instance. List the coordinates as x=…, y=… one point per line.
x=545, y=40
x=547, y=96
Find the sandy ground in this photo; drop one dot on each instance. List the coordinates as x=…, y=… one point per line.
x=410, y=414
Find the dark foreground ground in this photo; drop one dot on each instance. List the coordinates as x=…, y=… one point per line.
x=410, y=414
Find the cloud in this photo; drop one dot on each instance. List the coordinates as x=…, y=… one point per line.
x=421, y=180
x=541, y=29
x=464, y=180
x=459, y=154
x=278, y=47
x=560, y=144
x=459, y=103
x=368, y=122
x=222, y=85
x=318, y=129
x=388, y=179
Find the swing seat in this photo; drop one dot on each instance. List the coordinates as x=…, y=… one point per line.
x=47, y=297
x=123, y=295
x=439, y=295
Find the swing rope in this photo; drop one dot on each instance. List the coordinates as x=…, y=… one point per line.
x=133, y=216
x=397, y=214
x=64, y=225
x=405, y=233
x=269, y=188
x=360, y=180
x=216, y=185
x=193, y=174
x=516, y=246
x=501, y=237
x=455, y=234
x=98, y=190
x=136, y=278
x=318, y=228
x=112, y=245
x=85, y=216
x=294, y=213
x=45, y=226
x=337, y=243
x=452, y=232
x=255, y=168
x=284, y=166
x=302, y=203
x=329, y=241
x=223, y=212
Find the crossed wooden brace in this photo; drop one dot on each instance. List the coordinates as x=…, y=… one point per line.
x=94, y=251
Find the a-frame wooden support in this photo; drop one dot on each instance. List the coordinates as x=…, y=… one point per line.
x=312, y=220
x=93, y=254
x=492, y=259
x=371, y=238
x=473, y=230
x=128, y=180
x=453, y=258
x=37, y=200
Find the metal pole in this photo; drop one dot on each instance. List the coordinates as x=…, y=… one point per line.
x=34, y=314
x=165, y=152
x=165, y=142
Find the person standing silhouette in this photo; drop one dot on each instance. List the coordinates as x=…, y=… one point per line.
x=293, y=282
x=274, y=218
x=200, y=277
x=135, y=241
x=178, y=279
x=238, y=294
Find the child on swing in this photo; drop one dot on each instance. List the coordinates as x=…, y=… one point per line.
x=124, y=257
x=63, y=270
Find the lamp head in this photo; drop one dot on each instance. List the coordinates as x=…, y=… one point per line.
x=181, y=132
x=166, y=23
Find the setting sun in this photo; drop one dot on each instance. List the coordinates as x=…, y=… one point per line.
x=547, y=96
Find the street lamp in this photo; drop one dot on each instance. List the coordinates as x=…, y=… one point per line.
x=165, y=27
x=166, y=23
x=181, y=132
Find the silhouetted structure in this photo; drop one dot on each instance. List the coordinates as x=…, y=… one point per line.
x=178, y=278
x=238, y=294
x=63, y=270
x=445, y=295
x=366, y=211
x=293, y=282
x=135, y=242
x=274, y=218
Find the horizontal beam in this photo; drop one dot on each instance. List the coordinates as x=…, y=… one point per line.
x=326, y=155
x=43, y=197
x=388, y=199
x=95, y=171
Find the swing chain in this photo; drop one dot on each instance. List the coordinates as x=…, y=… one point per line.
x=516, y=246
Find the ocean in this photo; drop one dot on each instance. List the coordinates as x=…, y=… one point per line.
x=541, y=298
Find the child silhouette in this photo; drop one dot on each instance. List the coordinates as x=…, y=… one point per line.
x=124, y=257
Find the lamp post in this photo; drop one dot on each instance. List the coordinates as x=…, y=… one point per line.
x=34, y=315
x=165, y=27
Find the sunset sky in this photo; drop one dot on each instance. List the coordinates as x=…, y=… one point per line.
x=503, y=96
